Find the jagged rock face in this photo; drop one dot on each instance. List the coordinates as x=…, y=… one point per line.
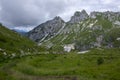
x=46, y=30
x=79, y=16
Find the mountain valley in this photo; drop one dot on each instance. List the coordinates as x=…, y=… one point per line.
x=87, y=47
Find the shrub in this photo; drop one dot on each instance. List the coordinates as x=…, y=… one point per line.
x=100, y=61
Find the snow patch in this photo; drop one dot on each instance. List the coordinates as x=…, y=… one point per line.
x=117, y=22
x=69, y=47
x=118, y=39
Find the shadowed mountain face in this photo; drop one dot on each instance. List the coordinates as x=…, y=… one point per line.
x=46, y=30
x=83, y=31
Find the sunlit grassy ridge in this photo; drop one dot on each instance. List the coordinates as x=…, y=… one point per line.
x=13, y=44
x=94, y=65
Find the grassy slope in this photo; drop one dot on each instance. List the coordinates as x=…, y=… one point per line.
x=13, y=43
x=94, y=65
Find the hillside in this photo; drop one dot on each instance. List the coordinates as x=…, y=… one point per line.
x=13, y=45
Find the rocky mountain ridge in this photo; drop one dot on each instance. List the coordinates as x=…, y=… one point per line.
x=83, y=31
x=46, y=29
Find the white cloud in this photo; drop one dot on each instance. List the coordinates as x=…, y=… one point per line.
x=106, y=1
x=33, y=12
x=119, y=6
x=24, y=29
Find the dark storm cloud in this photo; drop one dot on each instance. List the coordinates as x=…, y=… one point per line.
x=15, y=13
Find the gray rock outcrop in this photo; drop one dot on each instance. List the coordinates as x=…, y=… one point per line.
x=46, y=30
x=79, y=16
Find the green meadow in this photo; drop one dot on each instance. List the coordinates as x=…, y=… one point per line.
x=97, y=64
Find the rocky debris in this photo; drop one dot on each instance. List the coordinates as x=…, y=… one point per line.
x=99, y=41
x=49, y=28
x=79, y=16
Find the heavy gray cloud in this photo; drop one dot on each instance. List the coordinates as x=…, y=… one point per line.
x=17, y=13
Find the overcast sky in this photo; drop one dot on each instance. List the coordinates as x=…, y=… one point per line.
x=26, y=14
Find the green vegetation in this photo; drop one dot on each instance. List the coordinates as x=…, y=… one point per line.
x=22, y=59
x=12, y=44
x=94, y=65
x=100, y=61
x=112, y=36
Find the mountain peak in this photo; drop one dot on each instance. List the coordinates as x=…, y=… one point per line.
x=46, y=30
x=84, y=11
x=79, y=16
x=77, y=13
x=58, y=18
